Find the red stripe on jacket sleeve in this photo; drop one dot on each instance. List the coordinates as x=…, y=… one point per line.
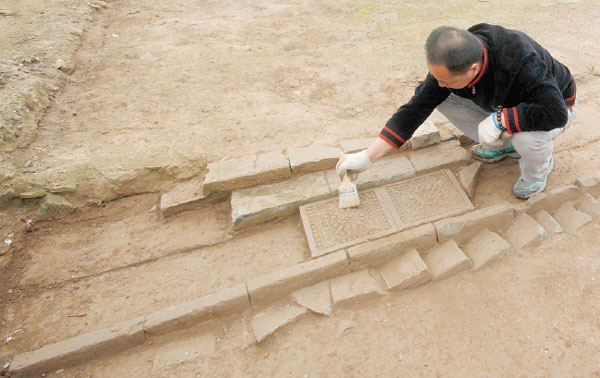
x=394, y=134
x=505, y=114
x=388, y=141
x=516, y=119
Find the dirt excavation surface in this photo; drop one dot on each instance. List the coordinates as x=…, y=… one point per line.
x=155, y=91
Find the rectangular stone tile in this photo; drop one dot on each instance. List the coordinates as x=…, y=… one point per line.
x=262, y=203
x=316, y=157
x=178, y=352
x=485, y=248
x=189, y=313
x=427, y=198
x=426, y=135
x=383, y=171
x=590, y=206
x=464, y=227
x=353, y=287
x=273, y=318
x=316, y=298
x=548, y=222
x=378, y=251
x=355, y=145
x=246, y=171
x=446, y=260
x=438, y=156
x=525, y=232
x=329, y=228
x=77, y=349
x=570, y=219
x=285, y=281
x=405, y=271
x=187, y=196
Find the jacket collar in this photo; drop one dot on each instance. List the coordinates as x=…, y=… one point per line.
x=483, y=67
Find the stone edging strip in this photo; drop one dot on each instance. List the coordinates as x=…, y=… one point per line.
x=281, y=283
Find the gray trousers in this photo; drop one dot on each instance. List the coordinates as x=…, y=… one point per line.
x=535, y=147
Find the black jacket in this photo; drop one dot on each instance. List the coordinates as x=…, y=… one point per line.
x=533, y=89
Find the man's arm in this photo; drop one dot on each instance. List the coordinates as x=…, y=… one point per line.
x=378, y=149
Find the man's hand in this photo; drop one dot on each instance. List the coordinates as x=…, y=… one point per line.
x=354, y=164
x=490, y=131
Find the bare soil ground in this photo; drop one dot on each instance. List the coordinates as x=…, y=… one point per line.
x=181, y=84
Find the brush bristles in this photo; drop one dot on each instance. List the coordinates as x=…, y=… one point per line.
x=348, y=197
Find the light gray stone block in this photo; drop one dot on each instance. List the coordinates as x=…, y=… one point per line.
x=570, y=219
x=353, y=287
x=467, y=177
x=590, y=206
x=558, y=196
x=525, y=232
x=316, y=298
x=446, y=260
x=405, y=271
x=267, y=322
x=548, y=222
x=426, y=135
x=438, y=156
x=485, y=248
x=590, y=184
x=187, y=196
x=316, y=157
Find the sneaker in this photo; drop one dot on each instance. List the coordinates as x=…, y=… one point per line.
x=524, y=190
x=482, y=153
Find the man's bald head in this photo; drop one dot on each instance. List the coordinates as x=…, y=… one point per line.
x=455, y=48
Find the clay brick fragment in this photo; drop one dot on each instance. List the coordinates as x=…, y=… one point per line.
x=485, y=248
x=548, y=222
x=525, y=232
x=316, y=157
x=446, y=260
x=590, y=206
x=570, y=219
x=353, y=287
x=77, y=349
x=405, y=271
x=189, y=313
x=316, y=298
x=273, y=318
x=285, y=281
x=464, y=227
x=438, y=156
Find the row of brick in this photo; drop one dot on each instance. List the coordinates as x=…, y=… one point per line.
x=566, y=208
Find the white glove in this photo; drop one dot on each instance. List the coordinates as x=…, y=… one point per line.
x=353, y=165
x=490, y=131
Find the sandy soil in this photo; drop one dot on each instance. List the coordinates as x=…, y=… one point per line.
x=165, y=81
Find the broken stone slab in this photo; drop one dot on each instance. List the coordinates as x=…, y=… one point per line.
x=267, y=322
x=405, y=271
x=376, y=252
x=590, y=206
x=316, y=157
x=246, y=171
x=525, y=232
x=485, y=248
x=558, y=196
x=426, y=135
x=187, y=196
x=388, y=169
x=438, y=156
x=548, y=222
x=178, y=352
x=280, y=283
x=316, y=298
x=570, y=219
x=446, y=260
x=77, y=349
x=589, y=184
x=532, y=205
x=355, y=145
x=464, y=227
x=187, y=314
x=262, y=203
x=468, y=178
x=353, y=287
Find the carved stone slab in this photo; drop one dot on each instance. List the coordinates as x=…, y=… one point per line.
x=427, y=198
x=383, y=211
x=329, y=228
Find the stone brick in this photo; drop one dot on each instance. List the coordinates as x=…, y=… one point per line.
x=525, y=232
x=390, y=168
x=438, y=156
x=449, y=131
x=570, y=219
x=464, y=227
x=77, y=349
x=590, y=184
x=285, y=281
x=178, y=352
x=558, y=196
x=355, y=145
x=405, y=271
x=548, y=222
x=468, y=178
x=426, y=135
x=187, y=196
x=316, y=157
x=262, y=203
x=247, y=171
x=485, y=248
x=532, y=205
x=267, y=322
x=316, y=298
x=189, y=313
x=590, y=206
x=378, y=251
x=446, y=260
x=353, y=287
